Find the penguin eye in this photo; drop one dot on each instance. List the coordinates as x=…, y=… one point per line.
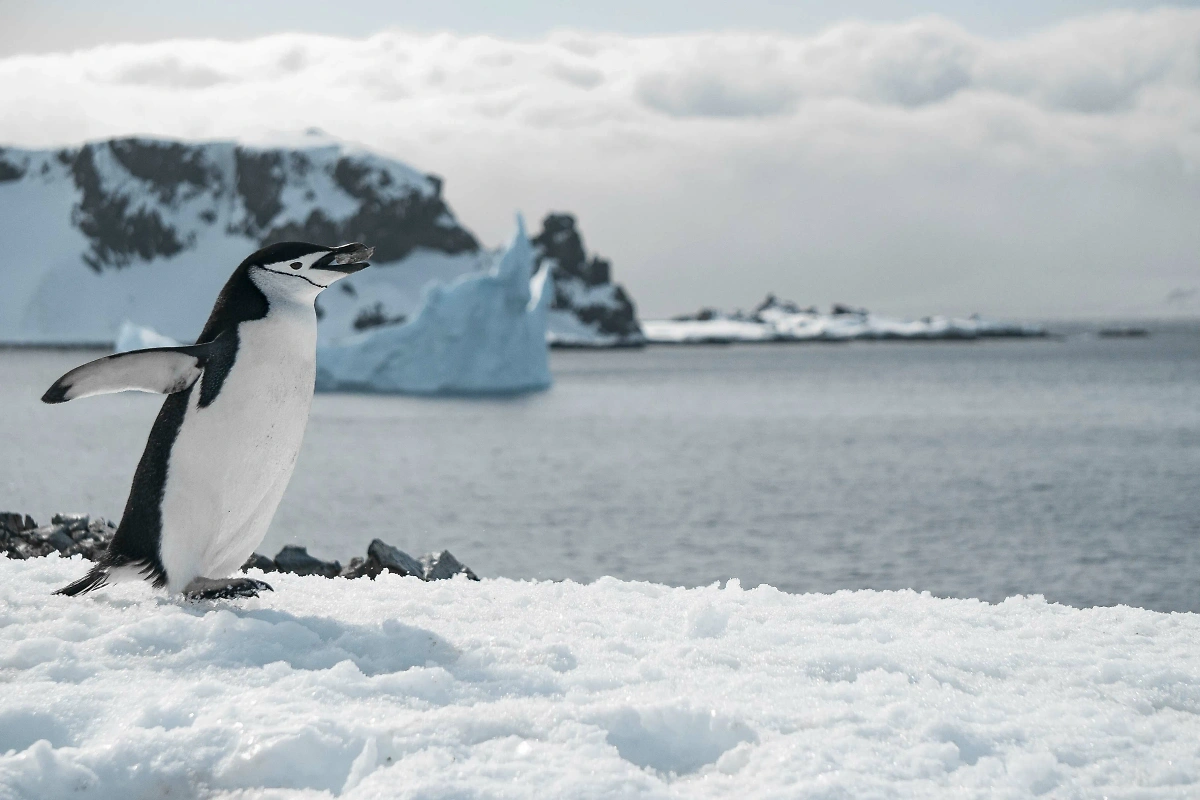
x=296, y=265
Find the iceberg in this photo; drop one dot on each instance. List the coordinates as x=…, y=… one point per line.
x=484, y=333
x=138, y=337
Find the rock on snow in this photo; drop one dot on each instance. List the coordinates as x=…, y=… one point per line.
x=499, y=688
x=483, y=333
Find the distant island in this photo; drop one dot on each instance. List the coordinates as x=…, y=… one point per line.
x=775, y=320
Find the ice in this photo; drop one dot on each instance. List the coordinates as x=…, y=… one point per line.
x=137, y=337
x=499, y=688
x=483, y=333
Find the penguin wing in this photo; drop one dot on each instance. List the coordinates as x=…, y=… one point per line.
x=164, y=370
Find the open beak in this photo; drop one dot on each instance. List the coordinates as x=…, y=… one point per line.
x=346, y=259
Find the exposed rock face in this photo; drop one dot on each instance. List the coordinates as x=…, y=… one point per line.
x=126, y=220
x=583, y=289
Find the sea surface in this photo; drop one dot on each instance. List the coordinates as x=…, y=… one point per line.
x=1067, y=467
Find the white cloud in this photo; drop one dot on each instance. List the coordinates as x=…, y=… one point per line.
x=916, y=167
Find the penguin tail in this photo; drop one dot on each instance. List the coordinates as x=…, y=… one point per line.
x=97, y=576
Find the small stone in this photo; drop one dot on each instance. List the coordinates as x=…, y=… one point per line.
x=443, y=565
x=29, y=523
x=259, y=561
x=54, y=535
x=10, y=522
x=72, y=522
x=357, y=568
x=295, y=559
x=393, y=559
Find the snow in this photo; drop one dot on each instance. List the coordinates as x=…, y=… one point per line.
x=500, y=688
x=137, y=337
x=483, y=333
x=775, y=324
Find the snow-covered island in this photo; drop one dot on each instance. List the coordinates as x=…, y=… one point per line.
x=399, y=687
x=148, y=230
x=776, y=320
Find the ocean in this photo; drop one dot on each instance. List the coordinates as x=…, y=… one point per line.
x=1066, y=467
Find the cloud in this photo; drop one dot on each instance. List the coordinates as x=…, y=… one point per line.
x=913, y=165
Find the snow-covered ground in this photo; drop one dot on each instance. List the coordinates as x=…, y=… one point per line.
x=399, y=688
x=481, y=334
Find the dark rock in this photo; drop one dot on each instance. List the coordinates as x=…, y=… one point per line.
x=382, y=557
x=375, y=316
x=14, y=523
x=54, y=535
x=8, y=170
x=259, y=561
x=260, y=180
x=72, y=522
x=394, y=225
x=295, y=559
x=842, y=308
x=443, y=565
x=394, y=560
x=561, y=246
x=170, y=168
x=117, y=228
x=91, y=549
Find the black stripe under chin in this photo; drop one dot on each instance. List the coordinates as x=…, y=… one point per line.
x=294, y=275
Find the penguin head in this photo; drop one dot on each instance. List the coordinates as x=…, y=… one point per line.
x=301, y=270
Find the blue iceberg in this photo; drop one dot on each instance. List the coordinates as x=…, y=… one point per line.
x=484, y=333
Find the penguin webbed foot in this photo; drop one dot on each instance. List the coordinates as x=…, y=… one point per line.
x=224, y=589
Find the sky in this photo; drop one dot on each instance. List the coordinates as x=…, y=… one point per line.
x=1021, y=159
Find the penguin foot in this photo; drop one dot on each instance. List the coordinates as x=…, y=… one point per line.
x=224, y=589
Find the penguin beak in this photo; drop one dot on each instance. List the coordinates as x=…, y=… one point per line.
x=347, y=259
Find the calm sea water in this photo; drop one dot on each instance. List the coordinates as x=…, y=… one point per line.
x=1069, y=468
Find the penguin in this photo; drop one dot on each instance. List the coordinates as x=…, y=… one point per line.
x=224, y=444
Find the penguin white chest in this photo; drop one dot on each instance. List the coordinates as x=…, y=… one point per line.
x=232, y=459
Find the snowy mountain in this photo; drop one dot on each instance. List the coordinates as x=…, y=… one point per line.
x=148, y=230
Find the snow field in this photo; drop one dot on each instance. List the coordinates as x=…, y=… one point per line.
x=398, y=688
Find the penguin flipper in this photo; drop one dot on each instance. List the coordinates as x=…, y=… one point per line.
x=164, y=370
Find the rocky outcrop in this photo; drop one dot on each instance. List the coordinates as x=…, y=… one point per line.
x=80, y=534
x=381, y=557
x=67, y=534
x=591, y=310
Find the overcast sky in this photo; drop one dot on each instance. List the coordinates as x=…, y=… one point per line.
x=1021, y=158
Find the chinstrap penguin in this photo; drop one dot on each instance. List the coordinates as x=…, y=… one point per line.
x=224, y=445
